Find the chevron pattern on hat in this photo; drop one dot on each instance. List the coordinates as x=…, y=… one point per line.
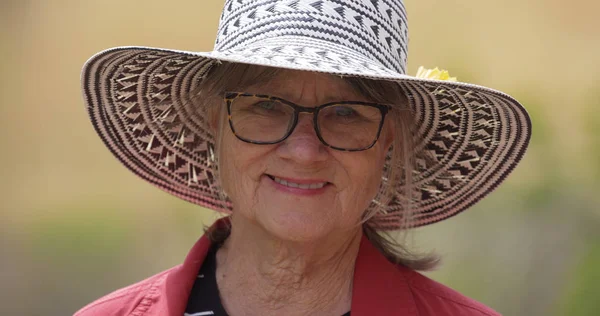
x=377, y=28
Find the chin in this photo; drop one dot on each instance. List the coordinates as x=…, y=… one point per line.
x=296, y=226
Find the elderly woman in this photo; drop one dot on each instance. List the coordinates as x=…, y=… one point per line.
x=303, y=126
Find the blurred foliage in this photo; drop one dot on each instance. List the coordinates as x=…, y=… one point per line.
x=76, y=225
x=592, y=128
x=582, y=296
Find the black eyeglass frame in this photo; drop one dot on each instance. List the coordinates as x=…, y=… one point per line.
x=231, y=96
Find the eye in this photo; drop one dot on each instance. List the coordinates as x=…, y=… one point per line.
x=344, y=111
x=266, y=105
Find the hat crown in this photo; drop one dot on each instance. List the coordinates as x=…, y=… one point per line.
x=375, y=29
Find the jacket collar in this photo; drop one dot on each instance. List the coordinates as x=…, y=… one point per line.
x=179, y=283
x=379, y=287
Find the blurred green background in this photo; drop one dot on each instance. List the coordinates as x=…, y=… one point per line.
x=75, y=224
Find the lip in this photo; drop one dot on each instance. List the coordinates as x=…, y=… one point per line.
x=298, y=191
x=299, y=181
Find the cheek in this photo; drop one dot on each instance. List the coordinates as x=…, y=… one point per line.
x=364, y=176
x=241, y=166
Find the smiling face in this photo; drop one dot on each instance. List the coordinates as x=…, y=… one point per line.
x=300, y=189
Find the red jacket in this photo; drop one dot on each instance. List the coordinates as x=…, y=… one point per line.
x=379, y=288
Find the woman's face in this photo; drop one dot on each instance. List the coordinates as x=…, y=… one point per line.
x=250, y=173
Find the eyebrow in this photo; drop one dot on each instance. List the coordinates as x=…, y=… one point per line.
x=257, y=89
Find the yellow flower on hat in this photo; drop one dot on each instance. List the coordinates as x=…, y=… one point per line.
x=435, y=73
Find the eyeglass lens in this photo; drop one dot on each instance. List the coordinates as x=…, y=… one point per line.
x=346, y=126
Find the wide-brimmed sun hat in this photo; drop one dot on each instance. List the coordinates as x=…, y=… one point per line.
x=468, y=138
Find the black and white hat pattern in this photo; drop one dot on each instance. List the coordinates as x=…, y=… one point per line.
x=469, y=138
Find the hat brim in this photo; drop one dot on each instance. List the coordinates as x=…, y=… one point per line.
x=469, y=138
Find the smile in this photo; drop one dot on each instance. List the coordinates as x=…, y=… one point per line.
x=303, y=186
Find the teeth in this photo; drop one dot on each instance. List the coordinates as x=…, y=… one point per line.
x=311, y=186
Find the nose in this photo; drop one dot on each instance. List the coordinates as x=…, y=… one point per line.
x=303, y=146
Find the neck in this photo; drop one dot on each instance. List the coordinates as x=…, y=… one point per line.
x=260, y=273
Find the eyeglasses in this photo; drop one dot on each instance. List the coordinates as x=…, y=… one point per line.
x=263, y=120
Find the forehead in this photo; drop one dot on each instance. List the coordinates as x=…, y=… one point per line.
x=306, y=87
